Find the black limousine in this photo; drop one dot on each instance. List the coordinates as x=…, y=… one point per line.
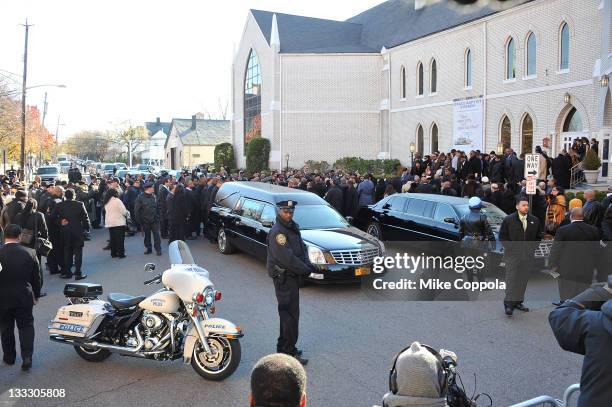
x=244, y=212
x=422, y=217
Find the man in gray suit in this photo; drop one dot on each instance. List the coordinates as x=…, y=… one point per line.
x=365, y=191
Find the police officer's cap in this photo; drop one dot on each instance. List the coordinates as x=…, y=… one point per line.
x=148, y=185
x=475, y=203
x=287, y=205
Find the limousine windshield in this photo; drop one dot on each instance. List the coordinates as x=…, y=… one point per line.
x=318, y=217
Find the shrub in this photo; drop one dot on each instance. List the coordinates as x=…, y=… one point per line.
x=376, y=167
x=599, y=196
x=321, y=166
x=591, y=161
x=257, y=155
x=224, y=156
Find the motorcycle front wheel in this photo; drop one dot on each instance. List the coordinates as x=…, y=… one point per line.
x=92, y=355
x=222, y=364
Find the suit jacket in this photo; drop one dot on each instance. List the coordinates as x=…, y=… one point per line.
x=72, y=218
x=516, y=241
x=19, y=277
x=575, y=251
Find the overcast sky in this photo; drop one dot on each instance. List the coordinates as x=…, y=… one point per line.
x=135, y=60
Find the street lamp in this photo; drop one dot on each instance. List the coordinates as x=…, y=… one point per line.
x=15, y=91
x=605, y=80
x=567, y=98
x=500, y=148
x=412, y=150
x=287, y=162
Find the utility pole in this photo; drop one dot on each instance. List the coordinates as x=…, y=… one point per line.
x=44, y=110
x=57, y=138
x=23, y=101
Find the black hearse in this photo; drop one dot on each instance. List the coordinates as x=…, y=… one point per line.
x=244, y=212
x=422, y=217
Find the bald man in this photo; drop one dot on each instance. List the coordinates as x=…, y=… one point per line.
x=573, y=255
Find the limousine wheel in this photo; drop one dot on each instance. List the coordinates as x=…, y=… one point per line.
x=375, y=230
x=225, y=246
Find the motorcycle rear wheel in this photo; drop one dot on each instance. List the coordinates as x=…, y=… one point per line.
x=220, y=366
x=92, y=355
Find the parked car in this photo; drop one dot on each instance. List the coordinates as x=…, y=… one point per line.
x=48, y=173
x=108, y=168
x=244, y=212
x=64, y=166
x=422, y=217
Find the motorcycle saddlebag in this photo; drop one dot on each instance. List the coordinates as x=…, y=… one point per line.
x=82, y=290
x=79, y=320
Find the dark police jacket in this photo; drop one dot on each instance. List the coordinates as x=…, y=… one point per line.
x=72, y=218
x=475, y=228
x=146, y=209
x=287, y=250
x=19, y=277
x=588, y=333
x=519, y=243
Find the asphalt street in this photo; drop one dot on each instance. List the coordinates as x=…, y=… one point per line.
x=349, y=338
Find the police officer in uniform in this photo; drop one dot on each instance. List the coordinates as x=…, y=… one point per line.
x=287, y=262
x=476, y=235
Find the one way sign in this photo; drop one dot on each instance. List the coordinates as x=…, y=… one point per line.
x=532, y=165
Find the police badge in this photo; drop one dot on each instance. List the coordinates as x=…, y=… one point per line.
x=281, y=239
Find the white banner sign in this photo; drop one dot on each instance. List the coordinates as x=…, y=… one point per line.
x=467, y=124
x=532, y=165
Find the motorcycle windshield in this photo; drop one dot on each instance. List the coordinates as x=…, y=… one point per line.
x=186, y=280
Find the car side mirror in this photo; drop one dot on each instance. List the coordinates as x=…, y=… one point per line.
x=267, y=223
x=450, y=220
x=386, y=206
x=149, y=267
x=237, y=212
x=350, y=219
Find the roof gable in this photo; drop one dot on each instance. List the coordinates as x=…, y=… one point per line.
x=207, y=132
x=389, y=24
x=300, y=34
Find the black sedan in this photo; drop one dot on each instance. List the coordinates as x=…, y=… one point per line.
x=244, y=212
x=422, y=217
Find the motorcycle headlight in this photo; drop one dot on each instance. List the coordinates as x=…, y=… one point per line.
x=316, y=256
x=209, y=296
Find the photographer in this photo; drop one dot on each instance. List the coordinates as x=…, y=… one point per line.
x=417, y=378
x=583, y=325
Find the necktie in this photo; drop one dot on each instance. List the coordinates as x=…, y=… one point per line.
x=524, y=222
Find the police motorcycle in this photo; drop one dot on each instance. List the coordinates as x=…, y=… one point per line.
x=175, y=322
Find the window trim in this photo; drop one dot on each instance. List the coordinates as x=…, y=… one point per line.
x=529, y=36
x=562, y=69
x=507, y=77
x=403, y=87
x=468, y=73
x=416, y=139
x=433, y=80
x=420, y=78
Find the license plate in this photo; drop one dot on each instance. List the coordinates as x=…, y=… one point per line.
x=362, y=271
x=72, y=328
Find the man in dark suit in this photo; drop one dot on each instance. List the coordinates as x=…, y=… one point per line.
x=19, y=292
x=72, y=217
x=573, y=255
x=519, y=233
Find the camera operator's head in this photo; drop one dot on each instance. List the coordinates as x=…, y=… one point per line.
x=417, y=375
x=278, y=380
